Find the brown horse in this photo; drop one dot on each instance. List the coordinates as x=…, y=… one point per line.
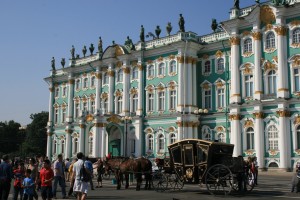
x=138, y=167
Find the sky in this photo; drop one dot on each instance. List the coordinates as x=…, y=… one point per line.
x=34, y=31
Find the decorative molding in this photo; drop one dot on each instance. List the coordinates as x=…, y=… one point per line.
x=111, y=73
x=219, y=84
x=118, y=51
x=273, y=152
x=51, y=89
x=296, y=61
x=180, y=59
x=133, y=91
x=248, y=123
x=295, y=23
x=219, y=54
x=82, y=125
x=247, y=54
x=119, y=64
x=134, y=63
x=104, y=95
x=160, y=59
x=235, y=41
x=234, y=117
x=266, y=14
x=235, y=95
x=283, y=90
x=89, y=118
x=49, y=133
x=100, y=124
x=149, y=62
x=246, y=33
x=140, y=67
x=247, y=69
x=171, y=57
x=220, y=129
x=258, y=115
x=190, y=60
x=118, y=93
x=206, y=86
x=281, y=30
x=126, y=70
x=297, y=120
x=98, y=75
x=283, y=113
x=269, y=27
x=114, y=119
x=84, y=74
x=205, y=57
x=256, y=35
x=69, y=131
x=295, y=45
x=150, y=89
x=269, y=66
x=71, y=81
x=250, y=152
x=172, y=86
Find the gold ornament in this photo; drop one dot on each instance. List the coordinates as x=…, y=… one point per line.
x=234, y=117
x=281, y=30
x=114, y=119
x=234, y=41
x=256, y=35
x=266, y=14
x=219, y=54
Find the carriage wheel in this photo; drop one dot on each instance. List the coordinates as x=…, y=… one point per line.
x=175, y=182
x=218, y=180
x=250, y=182
x=159, y=181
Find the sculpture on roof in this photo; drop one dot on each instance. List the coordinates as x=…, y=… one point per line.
x=181, y=23
x=72, y=52
x=92, y=49
x=63, y=62
x=53, y=64
x=236, y=4
x=100, y=49
x=157, y=31
x=142, y=34
x=129, y=43
x=84, y=50
x=169, y=28
x=214, y=25
x=257, y=1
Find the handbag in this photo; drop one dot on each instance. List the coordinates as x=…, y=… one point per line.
x=84, y=175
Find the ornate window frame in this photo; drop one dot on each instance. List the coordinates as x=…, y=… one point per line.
x=91, y=147
x=93, y=81
x=206, y=131
x=220, y=130
x=77, y=84
x=150, y=72
x=119, y=76
x=247, y=70
x=161, y=67
x=105, y=80
x=160, y=140
x=134, y=100
x=294, y=62
x=119, y=102
x=172, y=87
x=150, y=91
x=219, y=86
x=205, y=87
x=265, y=37
x=247, y=52
x=271, y=151
x=134, y=71
x=172, y=73
x=75, y=136
x=293, y=26
x=85, y=82
x=160, y=90
x=64, y=91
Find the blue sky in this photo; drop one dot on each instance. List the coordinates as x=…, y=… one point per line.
x=33, y=31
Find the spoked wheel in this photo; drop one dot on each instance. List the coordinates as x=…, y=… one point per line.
x=218, y=180
x=246, y=182
x=175, y=182
x=160, y=182
x=250, y=182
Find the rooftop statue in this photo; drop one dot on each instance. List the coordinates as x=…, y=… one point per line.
x=92, y=49
x=53, y=64
x=214, y=25
x=257, y=1
x=77, y=56
x=236, y=4
x=129, y=43
x=142, y=34
x=181, y=23
x=63, y=62
x=157, y=32
x=84, y=50
x=169, y=28
x=100, y=49
x=72, y=52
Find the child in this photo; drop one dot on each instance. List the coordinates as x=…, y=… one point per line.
x=28, y=185
x=19, y=176
x=46, y=177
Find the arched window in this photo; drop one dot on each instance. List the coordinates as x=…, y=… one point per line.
x=249, y=85
x=221, y=137
x=161, y=69
x=62, y=146
x=77, y=86
x=119, y=104
x=135, y=73
x=134, y=102
x=151, y=71
x=296, y=36
x=270, y=40
x=93, y=80
x=150, y=142
x=150, y=102
x=250, y=138
x=298, y=137
x=172, y=67
x=172, y=138
x=297, y=79
x=220, y=65
x=85, y=106
x=273, y=137
x=161, y=100
x=105, y=106
x=206, y=134
x=93, y=106
x=248, y=45
x=56, y=92
x=91, y=145
x=85, y=82
x=75, y=149
x=207, y=67
x=173, y=99
x=161, y=143
x=105, y=78
x=272, y=87
x=120, y=76
x=77, y=109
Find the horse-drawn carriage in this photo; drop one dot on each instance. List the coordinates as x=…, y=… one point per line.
x=203, y=162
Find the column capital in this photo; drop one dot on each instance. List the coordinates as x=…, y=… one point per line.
x=283, y=113
x=234, y=40
x=69, y=131
x=281, y=30
x=51, y=89
x=126, y=70
x=235, y=117
x=258, y=115
x=256, y=35
x=140, y=67
x=111, y=73
x=100, y=124
x=82, y=125
x=98, y=75
x=71, y=81
x=49, y=133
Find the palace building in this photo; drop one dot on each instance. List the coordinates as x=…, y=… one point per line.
x=239, y=84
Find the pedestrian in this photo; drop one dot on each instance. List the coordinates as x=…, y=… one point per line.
x=89, y=165
x=19, y=175
x=67, y=165
x=46, y=177
x=59, y=177
x=34, y=174
x=80, y=186
x=72, y=180
x=6, y=176
x=28, y=185
x=99, y=173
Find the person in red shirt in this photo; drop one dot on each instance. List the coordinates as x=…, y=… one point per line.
x=46, y=177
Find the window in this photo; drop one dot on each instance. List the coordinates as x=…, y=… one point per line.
x=120, y=76
x=270, y=40
x=85, y=106
x=161, y=101
x=206, y=134
x=272, y=82
x=93, y=80
x=91, y=145
x=150, y=102
x=134, y=102
x=151, y=71
x=173, y=99
x=248, y=46
x=132, y=146
x=135, y=73
x=56, y=92
x=221, y=98
x=161, y=143
x=172, y=138
x=297, y=80
x=105, y=106
x=55, y=147
x=161, y=69
x=220, y=65
x=173, y=67
x=105, y=78
x=207, y=99
x=62, y=146
x=93, y=106
x=296, y=36
x=77, y=109
x=75, y=145
x=250, y=138
x=150, y=142
x=56, y=115
x=77, y=85
x=63, y=119
x=119, y=104
x=298, y=137
x=64, y=91
x=221, y=137
x=273, y=138
x=249, y=85
x=207, y=67
x=85, y=82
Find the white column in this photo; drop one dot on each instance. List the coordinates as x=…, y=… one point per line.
x=138, y=125
x=140, y=90
x=70, y=99
x=236, y=134
x=194, y=82
x=103, y=147
x=180, y=125
x=258, y=90
x=82, y=138
x=282, y=86
x=98, y=90
x=126, y=96
x=259, y=138
x=51, y=101
x=189, y=85
x=235, y=96
x=111, y=83
x=68, y=153
x=180, y=60
x=49, y=145
x=284, y=139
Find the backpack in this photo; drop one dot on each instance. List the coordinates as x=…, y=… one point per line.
x=84, y=175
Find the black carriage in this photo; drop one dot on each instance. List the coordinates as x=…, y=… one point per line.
x=203, y=162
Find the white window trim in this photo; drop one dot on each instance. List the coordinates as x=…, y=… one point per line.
x=266, y=84
x=216, y=65
x=118, y=77
x=169, y=68
x=269, y=50
x=203, y=129
x=203, y=66
x=164, y=70
x=272, y=123
x=152, y=76
x=133, y=69
x=95, y=81
x=147, y=142
x=131, y=103
x=203, y=94
x=218, y=107
x=291, y=30
x=79, y=84
x=243, y=53
x=164, y=101
x=158, y=150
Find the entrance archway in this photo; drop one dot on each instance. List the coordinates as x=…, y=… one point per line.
x=114, y=140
